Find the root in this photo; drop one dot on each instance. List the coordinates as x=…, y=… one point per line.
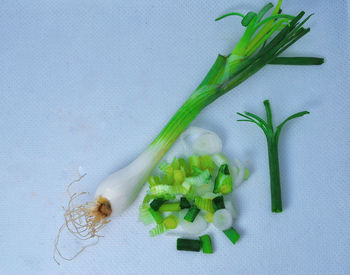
x=83, y=221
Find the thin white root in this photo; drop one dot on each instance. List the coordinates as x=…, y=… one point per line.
x=83, y=221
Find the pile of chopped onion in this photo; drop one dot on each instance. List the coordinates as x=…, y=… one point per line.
x=191, y=188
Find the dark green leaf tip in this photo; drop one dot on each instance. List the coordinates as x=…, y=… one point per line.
x=229, y=14
x=248, y=18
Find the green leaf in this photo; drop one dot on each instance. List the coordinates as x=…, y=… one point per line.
x=279, y=127
x=297, y=61
x=263, y=11
x=229, y=14
x=248, y=18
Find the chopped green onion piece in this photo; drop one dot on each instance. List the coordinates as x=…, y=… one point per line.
x=205, y=188
x=191, y=214
x=153, y=181
x=246, y=173
x=209, y=195
x=195, y=171
x=156, y=203
x=223, y=181
x=188, y=245
x=179, y=176
x=204, y=204
x=194, y=161
x=218, y=203
x=158, y=218
x=209, y=217
x=206, y=244
x=171, y=222
x=201, y=179
x=166, y=191
x=184, y=203
x=185, y=166
x=191, y=194
x=232, y=234
x=207, y=163
x=162, y=166
x=175, y=164
x=169, y=174
x=159, y=229
x=147, y=199
x=170, y=207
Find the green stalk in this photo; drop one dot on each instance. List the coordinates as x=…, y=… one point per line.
x=272, y=137
x=275, y=184
x=205, y=94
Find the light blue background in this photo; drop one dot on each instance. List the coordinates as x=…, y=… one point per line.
x=90, y=83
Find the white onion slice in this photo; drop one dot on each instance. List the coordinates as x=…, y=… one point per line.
x=200, y=141
x=239, y=178
x=222, y=219
x=219, y=159
x=230, y=208
x=207, y=144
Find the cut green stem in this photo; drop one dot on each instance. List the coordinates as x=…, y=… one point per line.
x=232, y=235
x=206, y=244
x=188, y=245
x=192, y=213
x=272, y=137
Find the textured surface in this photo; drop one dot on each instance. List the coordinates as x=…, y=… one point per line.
x=90, y=83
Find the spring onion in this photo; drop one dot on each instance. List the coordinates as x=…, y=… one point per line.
x=265, y=38
x=206, y=244
x=188, y=245
x=272, y=137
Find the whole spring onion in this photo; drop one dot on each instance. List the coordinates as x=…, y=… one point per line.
x=272, y=137
x=264, y=39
